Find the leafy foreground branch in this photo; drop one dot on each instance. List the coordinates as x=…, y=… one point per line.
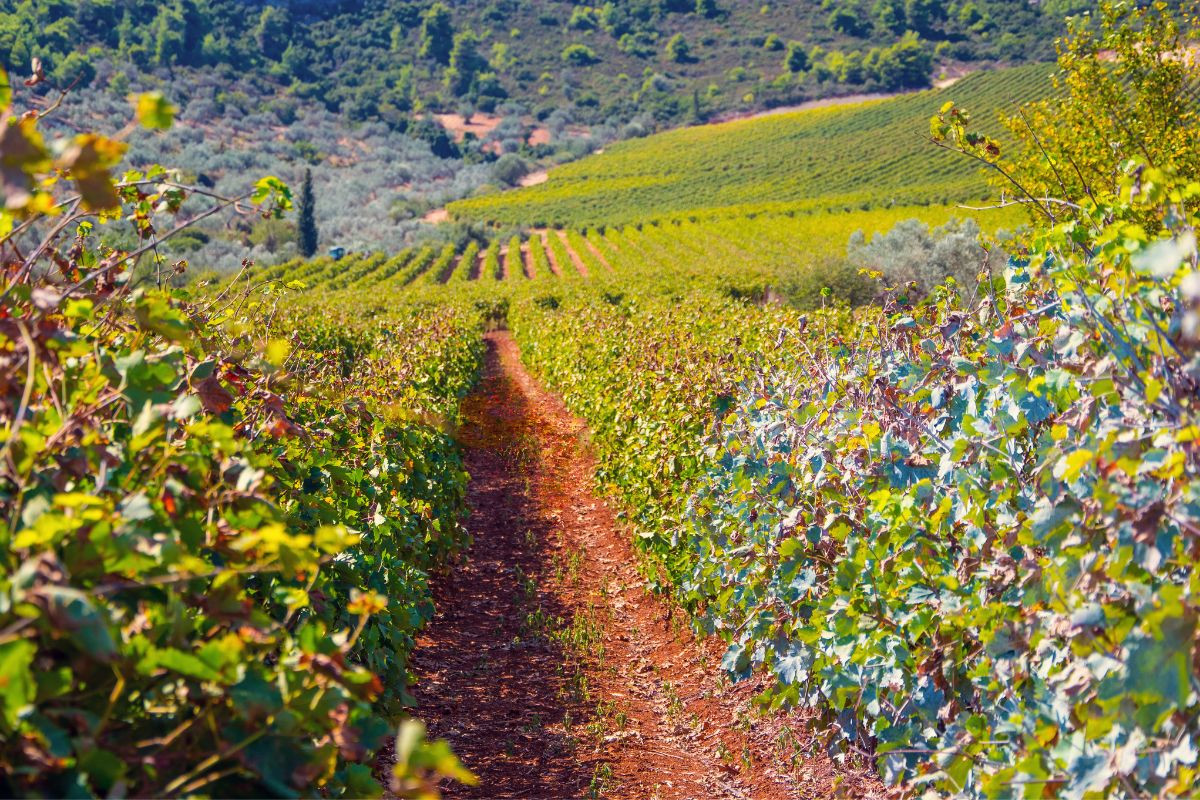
x=219, y=510
x=965, y=535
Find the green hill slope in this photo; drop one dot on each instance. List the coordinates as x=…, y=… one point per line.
x=868, y=155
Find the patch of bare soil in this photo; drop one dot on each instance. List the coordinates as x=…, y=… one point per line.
x=480, y=124
x=539, y=136
x=477, y=268
x=510, y=260
x=534, y=178
x=551, y=669
x=527, y=257
x=437, y=215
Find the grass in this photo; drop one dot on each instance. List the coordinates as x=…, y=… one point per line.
x=873, y=154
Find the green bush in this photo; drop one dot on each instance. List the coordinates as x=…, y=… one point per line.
x=579, y=55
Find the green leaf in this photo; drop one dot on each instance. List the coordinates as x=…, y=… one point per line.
x=17, y=686
x=153, y=110
x=272, y=193
x=75, y=613
x=361, y=783
x=155, y=313
x=793, y=667
x=1163, y=258
x=255, y=697
x=178, y=661
x=1158, y=669
x=102, y=767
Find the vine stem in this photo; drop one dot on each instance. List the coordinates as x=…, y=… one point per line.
x=183, y=780
x=27, y=395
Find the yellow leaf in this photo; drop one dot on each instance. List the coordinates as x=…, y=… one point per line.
x=278, y=351
x=1069, y=466
x=153, y=111
x=1188, y=434
x=88, y=159
x=1154, y=388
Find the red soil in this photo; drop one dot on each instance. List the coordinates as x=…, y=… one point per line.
x=511, y=259
x=575, y=259
x=555, y=267
x=551, y=669
x=527, y=255
x=596, y=252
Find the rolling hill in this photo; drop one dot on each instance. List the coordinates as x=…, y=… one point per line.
x=867, y=155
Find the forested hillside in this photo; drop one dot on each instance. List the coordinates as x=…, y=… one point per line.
x=674, y=59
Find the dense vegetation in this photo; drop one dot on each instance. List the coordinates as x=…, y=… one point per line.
x=860, y=156
x=748, y=257
x=963, y=533
x=385, y=60
x=221, y=509
x=282, y=87
x=942, y=489
x=346, y=90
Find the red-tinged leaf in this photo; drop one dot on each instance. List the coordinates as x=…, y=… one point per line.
x=38, y=72
x=281, y=427
x=213, y=395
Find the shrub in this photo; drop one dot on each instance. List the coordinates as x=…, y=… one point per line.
x=910, y=253
x=509, y=169
x=678, y=49
x=579, y=55
x=583, y=18
x=965, y=534
x=640, y=44
x=200, y=587
x=796, y=58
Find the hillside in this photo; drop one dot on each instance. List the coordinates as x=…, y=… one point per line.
x=668, y=59
x=866, y=155
x=398, y=108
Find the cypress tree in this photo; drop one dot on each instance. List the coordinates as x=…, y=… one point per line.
x=308, y=220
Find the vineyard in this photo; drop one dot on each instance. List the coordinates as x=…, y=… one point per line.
x=741, y=255
x=869, y=155
x=852, y=452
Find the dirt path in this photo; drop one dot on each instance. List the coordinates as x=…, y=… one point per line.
x=599, y=256
x=527, y=257
x=534, y=178
x=556, y=269
x=509, y=262
x=550, y=668
x=580, y=267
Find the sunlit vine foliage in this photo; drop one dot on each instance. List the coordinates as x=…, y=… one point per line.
x=220, y=513
x=963, y=534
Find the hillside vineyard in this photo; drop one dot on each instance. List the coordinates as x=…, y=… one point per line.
x=491, y=400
